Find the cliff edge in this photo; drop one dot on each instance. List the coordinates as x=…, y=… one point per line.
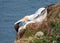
x=47, y=32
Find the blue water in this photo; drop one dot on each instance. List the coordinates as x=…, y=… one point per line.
x=13, y=10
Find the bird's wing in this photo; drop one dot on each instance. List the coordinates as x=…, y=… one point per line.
x=39, y=10
x=31, y=17
x=18, y=21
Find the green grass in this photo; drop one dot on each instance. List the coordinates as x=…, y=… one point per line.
x=55, y=24
x=28, y=33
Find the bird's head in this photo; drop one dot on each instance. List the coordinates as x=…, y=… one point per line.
x=25, y=18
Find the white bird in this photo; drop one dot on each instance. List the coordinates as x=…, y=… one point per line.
x=39, y=16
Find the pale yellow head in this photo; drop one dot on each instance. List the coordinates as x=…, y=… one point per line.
x=25, y=18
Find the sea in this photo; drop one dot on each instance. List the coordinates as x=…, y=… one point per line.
x=13, y=10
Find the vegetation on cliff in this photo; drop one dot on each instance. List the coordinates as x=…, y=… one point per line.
x=50, y=28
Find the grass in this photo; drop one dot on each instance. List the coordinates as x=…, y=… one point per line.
x=53, y=24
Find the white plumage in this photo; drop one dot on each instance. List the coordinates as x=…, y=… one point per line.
x=39, y=16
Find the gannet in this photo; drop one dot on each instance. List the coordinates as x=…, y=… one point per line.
x=38, y=16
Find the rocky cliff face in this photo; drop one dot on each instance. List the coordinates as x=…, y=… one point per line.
x=48, y=26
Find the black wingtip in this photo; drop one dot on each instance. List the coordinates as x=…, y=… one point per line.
x=16, y=26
